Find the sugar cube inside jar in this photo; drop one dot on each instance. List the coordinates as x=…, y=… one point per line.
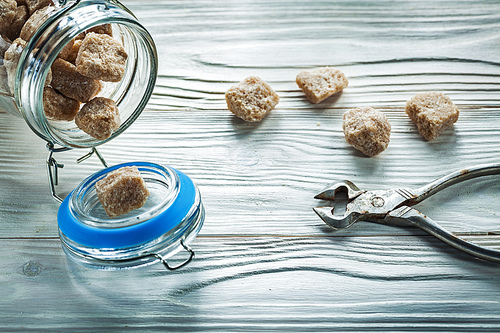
x=76, y=52
x=122, y=191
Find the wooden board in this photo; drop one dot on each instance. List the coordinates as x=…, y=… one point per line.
x=257, y=284
x=264, y=260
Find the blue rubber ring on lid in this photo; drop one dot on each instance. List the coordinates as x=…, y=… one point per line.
x=122, y=237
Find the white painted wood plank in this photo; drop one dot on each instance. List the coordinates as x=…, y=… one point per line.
x=256, y=284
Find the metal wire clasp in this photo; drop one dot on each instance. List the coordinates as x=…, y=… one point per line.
x=53, y=167
x=184, y=263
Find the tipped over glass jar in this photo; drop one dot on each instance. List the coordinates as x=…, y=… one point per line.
x=48, y=38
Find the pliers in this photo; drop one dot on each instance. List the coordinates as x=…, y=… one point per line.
x=393, y=207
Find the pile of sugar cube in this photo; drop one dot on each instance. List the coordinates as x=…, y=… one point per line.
x=76, y=77
x=365, y=128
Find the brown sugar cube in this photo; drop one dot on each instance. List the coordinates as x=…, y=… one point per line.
x=34, y=22
x=321, y=83
x=251, y=99
x=102, y=29
x=5, y=43
x=14, y=29
x=101, y=57
x=48, y=80
x=432, y=112
x=71, y=57
x=122, y=191
x=7, y=13
x=11, y=60
x=72, y=84
x=34, y=5
x=367, y=130
x=81, y=35
x=66, y=51
x=59, y=107
x=98, y=118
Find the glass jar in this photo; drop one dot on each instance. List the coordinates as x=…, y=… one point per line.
x=173, y=213
x=24, y=95
x=171, y=218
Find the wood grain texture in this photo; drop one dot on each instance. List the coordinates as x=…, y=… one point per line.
x=291, y=284
x=264, y=261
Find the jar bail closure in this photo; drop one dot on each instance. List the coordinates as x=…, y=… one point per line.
x=53, y=166
x=171, y=218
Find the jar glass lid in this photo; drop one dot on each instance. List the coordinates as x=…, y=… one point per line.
x=171, y=217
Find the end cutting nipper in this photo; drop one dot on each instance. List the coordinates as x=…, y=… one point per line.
x=393, y=207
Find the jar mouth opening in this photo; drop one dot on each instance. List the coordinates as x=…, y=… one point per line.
x=162, y=228
x=130, y=94
x=162, y=183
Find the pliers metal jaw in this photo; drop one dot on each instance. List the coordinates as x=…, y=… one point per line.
x=393, y=207
x=361, y=205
